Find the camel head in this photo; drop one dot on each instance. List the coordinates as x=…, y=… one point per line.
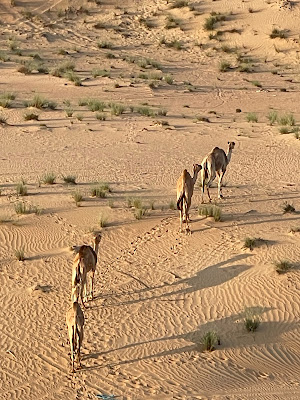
x=231, y=146
x=197, y=168
x=97, y=238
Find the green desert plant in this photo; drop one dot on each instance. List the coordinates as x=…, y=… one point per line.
x=209, y=340
x=256, y=83
x=171, y=22
x=211, y=211
x=224, y=66
x=117, y=109
x=282, y=266
x=3, y=119
x=6, y=99
x=100, y=190
x=62, y=68
x=277, y=33
x=179, y=4
x=103, y=221
x=287, y=119
x=31, y=116
x=23, y=208
x=69, y=179
x=100, y=72
x=272, y=116
x=19, y=253
x=49, y=178
x=250, y=243
x=139, y=213
x=251, y=117
x=288, y=208
x=251, y=319
x=39, y=102
x=73, y=77
x=77, y=197
x=21, y=189
x=101, y=116
x=284, y=130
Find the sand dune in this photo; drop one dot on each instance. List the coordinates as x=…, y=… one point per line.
x=157, y=291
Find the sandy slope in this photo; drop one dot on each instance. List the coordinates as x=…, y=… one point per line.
x=157, y=291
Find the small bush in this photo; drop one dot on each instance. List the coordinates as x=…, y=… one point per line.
x=171, y=22
x=70, y=179
x=31, y=116
x=288, y=208
x=77, y=196
x=179, y=4
x=100, y=72
x=40, y=102
x=287, y=119
x=251, y=320
x=21, y=189
x=6, y=99
x=69, y=112
x=62, y=68
x=19, y=253
x=272, y=117
x=26, y=69
x=143, y=110
x=100, y=190
x=23, y=208
x=256, y=83
x=224, y=66
x=251, y=117
x=209, y=340
x=117, y=109
x=103, y=221
x=284, y=130
x=250, y=243
x=172, y=205
x=211, y=211
x=79, y=117
x=282, y=266
x=101, y=117
x=175, y=44
x=139, y=213
x=95, y=105
x=3, y=119
x=276, y=33
x=152, y=205
x=73, y=77
x=104, y=45
x=49, y=178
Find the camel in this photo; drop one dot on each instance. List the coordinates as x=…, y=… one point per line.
x=84, y=264
x=75, y=323
x=185, y=189
x=214, y=163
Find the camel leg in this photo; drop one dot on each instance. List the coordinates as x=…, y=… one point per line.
x=92, y=284
x=202, y=192
x=207, y=188
x=221, y=175
x=180, y=217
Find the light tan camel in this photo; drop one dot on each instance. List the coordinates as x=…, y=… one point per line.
x=75, y=323
x=84, y=264
x=215, y=163
x=185, y=189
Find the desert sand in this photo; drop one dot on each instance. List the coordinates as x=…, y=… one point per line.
x=158, y=291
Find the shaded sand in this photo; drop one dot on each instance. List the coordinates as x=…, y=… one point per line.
x=157, y=291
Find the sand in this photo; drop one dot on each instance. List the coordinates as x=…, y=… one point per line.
x=158, y=291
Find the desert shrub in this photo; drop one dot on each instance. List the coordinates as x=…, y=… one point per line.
x=3, y=119
x=211, y=211
x=147, y=111
x=117, y=109
x=256, y=83
x=103, y=221
x=31, y=116
x=6, y=99
x=101, y=117
x=26, y=68
x=23, y=208
x=70, y=179
x=277, y=33
x=49, y=178
x=152, y=205
x=171, y=22
x=282, y=266
x=284, y=130
x=20, y=255
x=175, y=44
x=62, y=68
x=272, y=116
x=100, y=190
x=79, y=117
x=224, y=66
x=73, y=77
x=295, y=229
x=169, y=79
x=40, y=102
x=95, y=105
x=287, y=119
x=251, y=117
x=100, y=72
x=251, y=320
x=250, y=243
x=288, y=208
x=179, y=4
x=77, y=197
x=172, y=205
x=69, y=112
x=104, y=45
x=139, y=213
x=21, y=189
x=209, y=340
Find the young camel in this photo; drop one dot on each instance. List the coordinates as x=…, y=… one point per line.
x=214, y=163
x=185, y=189
x=75, y=323
x=84, y=264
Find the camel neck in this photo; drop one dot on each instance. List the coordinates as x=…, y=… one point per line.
x=194, y=178
x=228, y=155
x=95, y=247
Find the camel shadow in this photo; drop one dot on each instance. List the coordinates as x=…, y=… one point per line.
x=214, y=275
